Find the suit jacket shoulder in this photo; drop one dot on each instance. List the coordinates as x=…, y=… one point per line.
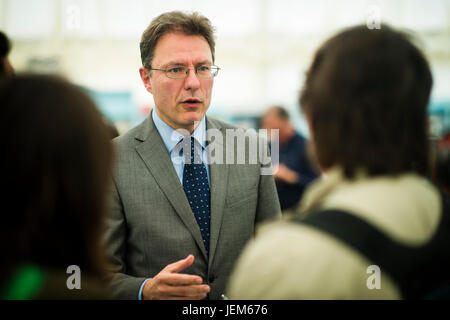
x=132, y=136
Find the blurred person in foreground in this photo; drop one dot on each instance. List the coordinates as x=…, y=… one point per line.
x=295, y=171
x=178, y=221
x=56, y=158
x=6, y=70
x=373, y=227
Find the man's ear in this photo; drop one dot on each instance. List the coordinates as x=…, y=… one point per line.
x=145, y=77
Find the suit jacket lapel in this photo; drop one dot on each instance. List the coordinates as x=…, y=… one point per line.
x=155, y=155
x=218, y=186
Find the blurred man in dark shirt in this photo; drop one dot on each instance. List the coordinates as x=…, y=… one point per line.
x=295, y=170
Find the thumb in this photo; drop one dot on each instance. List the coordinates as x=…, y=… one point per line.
x=180, y=264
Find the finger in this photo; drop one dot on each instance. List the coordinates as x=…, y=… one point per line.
x=183, y=291
x=180, y=264
x=180, y=279
x=186, y=298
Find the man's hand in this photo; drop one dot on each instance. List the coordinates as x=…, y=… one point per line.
x=168, y=284
x=282, y=172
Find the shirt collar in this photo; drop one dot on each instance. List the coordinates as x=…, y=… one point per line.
x=171, y=137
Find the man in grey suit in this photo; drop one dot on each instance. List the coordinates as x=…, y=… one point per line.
x=169, y=200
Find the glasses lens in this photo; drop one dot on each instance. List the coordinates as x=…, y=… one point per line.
x=204, y=71
x=176, y=72
x=214, y=71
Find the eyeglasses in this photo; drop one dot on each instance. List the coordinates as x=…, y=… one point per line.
x=181, y=72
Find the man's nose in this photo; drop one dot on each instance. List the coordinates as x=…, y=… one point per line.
x=191, y=82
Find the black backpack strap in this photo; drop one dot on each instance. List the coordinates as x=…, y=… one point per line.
x=359, y=235
x=416, y=270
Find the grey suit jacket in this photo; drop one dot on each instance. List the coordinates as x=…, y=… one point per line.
x=150, y=223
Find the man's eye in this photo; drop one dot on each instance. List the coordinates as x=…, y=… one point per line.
x=203, y=68
x=175, y=70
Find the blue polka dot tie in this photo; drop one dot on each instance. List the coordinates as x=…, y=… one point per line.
x=196, y=187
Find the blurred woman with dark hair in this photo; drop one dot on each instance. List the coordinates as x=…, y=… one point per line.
x=373, y=227
x=56, y=157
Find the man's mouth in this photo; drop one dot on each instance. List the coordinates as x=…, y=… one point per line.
x=191, y=102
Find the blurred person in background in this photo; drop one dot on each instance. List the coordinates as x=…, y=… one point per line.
x=164, y=209
x=6, y=70
x=373, y=227
x=56, y=158
x=441, y=169
x=295, y=171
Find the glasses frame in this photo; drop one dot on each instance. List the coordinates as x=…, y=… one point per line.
x=213, y=73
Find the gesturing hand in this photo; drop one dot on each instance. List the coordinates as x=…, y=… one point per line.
x=168, y=284
x=282, y=172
